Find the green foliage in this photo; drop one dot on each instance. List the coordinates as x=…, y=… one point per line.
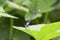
x=28, y=16
x=43, y=5
x=16, y=12
x=44, y=32
x=3, y=14
x=15, y=6
x=36, y=5
x=20, y=10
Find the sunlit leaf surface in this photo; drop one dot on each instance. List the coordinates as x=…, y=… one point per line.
x=44, y=32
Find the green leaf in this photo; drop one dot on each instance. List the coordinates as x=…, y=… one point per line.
x=2, y=2
x=26, y=3
x=46, y=5
x=42, y=5
x=1, y=9
x=50, y=31
x=28, y=16
x=15, y=6
x=31, y=30
x=18, y=2
x=44, y=32
x=3, y=14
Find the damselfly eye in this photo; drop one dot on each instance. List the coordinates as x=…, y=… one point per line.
x=27, y=24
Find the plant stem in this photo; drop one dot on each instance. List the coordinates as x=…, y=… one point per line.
x=46, y=18
x=11, y=30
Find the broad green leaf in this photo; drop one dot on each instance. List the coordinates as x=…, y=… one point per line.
x=31, y=30
x=49, y=31
x=56, y=38
x=7, y=9
x=1, y=9
x=42, y=5
x=2, y=2
x=3, y=14
x=28, y=16
x=52, y=35
x=14, y=11
x=26, y=3
x=44, y=32
x=15, y=6
x=18, y=2
x=46, y=5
